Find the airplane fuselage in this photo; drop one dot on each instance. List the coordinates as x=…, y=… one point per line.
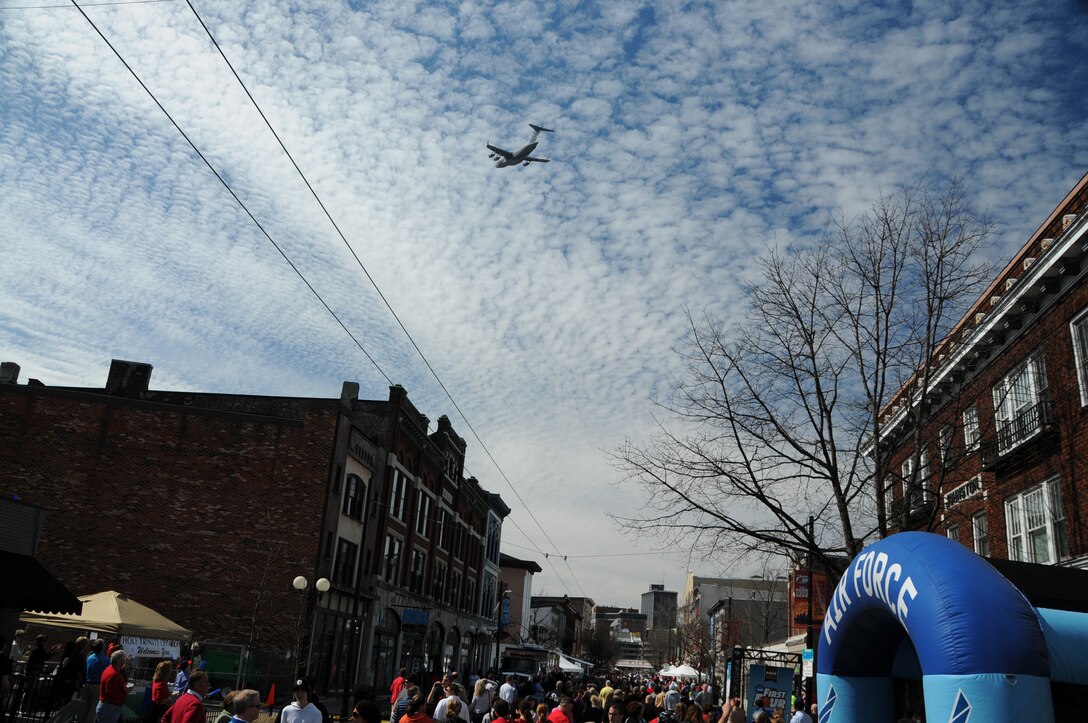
x=517, y=157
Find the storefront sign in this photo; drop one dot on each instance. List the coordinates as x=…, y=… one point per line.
x=968, y=489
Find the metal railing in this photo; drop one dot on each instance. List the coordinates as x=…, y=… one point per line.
x=1028, y=423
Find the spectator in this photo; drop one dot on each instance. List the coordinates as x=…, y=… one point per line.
x=227, y=714
x=181, y=682
x=112, y=690
x=301, y=710
x=189, y=707
x=454, y=692
x=247, y=706
x=160, y=692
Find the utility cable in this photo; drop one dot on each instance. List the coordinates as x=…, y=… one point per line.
x=373, y=283
x=232, y=193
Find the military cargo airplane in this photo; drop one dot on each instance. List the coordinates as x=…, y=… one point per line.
x=506, y=158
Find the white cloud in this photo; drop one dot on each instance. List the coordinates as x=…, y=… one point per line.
x=549, y=298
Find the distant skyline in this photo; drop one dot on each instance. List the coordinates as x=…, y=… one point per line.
x=549, y=299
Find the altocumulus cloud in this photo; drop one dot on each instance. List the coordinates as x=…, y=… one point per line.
x=549, y=298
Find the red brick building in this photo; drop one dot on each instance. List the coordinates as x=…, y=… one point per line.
x=999, y=467
x=207, y=506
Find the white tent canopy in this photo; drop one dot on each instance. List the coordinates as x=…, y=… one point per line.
x=680, y=671
x=567, y=666
x=115, y=614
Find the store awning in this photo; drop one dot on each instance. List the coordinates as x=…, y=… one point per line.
x=29, y=586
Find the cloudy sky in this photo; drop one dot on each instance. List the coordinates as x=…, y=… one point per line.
x=549, y=299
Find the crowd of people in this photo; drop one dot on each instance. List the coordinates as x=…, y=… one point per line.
x=558, y=699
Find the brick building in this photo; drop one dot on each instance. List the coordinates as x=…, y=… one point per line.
x=996, y=464
x=207, y=506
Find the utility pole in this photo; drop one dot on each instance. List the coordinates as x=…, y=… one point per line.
x=810, y=689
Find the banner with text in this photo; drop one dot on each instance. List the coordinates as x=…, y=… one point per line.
x=151, y=647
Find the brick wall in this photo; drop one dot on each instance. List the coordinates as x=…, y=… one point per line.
x=179, y=507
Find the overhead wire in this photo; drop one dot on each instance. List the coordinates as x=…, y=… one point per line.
x=377, y=289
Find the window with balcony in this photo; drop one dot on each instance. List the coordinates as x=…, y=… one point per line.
x=353, y=497
x=1079, y=330
x=391, y=571
x=343, y=571
x=1020, y=409
x=1035, y=521
x=398, y=493
x=980, y=533
x=970, y=428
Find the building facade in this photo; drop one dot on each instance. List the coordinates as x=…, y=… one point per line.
x=207, y=506
x=996, y=463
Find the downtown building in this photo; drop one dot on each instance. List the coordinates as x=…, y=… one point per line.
x=996, y=463
x=207, y=507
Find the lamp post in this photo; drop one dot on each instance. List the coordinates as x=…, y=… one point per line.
x=504, y=595
x=305, y=628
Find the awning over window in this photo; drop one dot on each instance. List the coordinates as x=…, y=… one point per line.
x=29, y=586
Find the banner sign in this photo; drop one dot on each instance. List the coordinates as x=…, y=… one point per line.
x=151, y=647
x=415, y=616
x=807, y=657
x=801, y=583
x=773, y=685
x=505, y=610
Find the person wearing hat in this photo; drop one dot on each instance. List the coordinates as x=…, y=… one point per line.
x=301, y=710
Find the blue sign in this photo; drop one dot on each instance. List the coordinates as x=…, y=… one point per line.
x=415, y=616
x=505, y=610
x=774, y=686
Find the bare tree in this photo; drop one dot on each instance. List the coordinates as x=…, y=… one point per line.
x=781, y=414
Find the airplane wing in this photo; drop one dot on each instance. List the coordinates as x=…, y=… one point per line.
x=535, y=160
x=495, y=149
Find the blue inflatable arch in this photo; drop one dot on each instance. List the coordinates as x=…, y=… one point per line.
x=920, y=605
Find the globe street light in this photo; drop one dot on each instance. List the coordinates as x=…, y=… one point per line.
x=305, y=629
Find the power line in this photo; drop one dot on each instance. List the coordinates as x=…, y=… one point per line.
x=374, y=284
x=232, y=193
x=86, y=5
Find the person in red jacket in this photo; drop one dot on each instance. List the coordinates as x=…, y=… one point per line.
x=562, y=712
x=398, y=685
x=189, y=708
x=112, y=689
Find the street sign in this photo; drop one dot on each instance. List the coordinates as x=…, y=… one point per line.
x=807, y=657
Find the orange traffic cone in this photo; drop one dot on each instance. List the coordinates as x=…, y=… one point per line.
x=271, y=696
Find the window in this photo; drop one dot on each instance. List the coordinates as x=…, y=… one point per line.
x=470, y=604
x=455, y=590
x=1018, y=412
x=1079, y=329
x=392, y=559
x=443, y=533
x=980, y=533
x=944, y=443
x=328, y=545
x=970, y=428
x=953, y=532
x=494, y=530
x=1035, y=522
x=889, y=495
x=343, y=572
x=439, y=591
x=415, y=574
x=397, y=495
x=916, y=486
x=423, y=514
x=353, y=497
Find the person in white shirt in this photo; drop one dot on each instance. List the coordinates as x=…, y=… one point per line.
x=452, y=691
x=509, y=691
x=801, y=717
x=301, y=710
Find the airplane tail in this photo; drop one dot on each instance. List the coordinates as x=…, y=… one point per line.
x=539, y=129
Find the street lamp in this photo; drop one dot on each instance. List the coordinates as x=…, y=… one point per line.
x=504, y=595
x=305, y=628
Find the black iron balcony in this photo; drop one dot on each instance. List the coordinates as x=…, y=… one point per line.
x=1030, y=422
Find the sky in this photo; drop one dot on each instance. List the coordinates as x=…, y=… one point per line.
x=549, y=299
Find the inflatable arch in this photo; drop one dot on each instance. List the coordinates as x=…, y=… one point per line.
x=920, y=606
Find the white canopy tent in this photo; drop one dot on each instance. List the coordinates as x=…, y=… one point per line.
x=680, y=671
x=566, y=666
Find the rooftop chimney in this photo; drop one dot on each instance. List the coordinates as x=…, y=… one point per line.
x=128, y=379
x=9, y=373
